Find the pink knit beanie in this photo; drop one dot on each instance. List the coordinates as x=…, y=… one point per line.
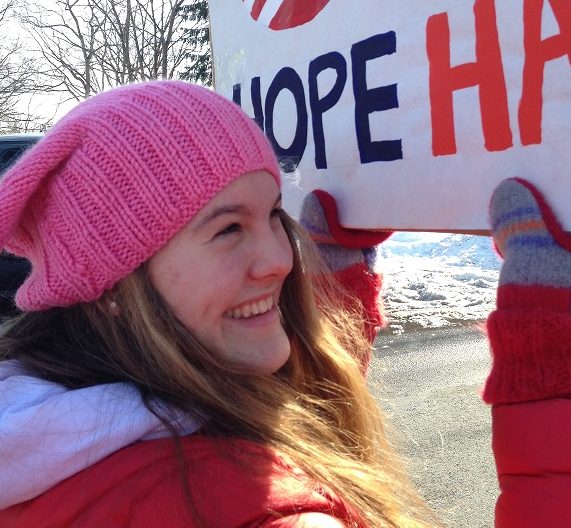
x=115, y=179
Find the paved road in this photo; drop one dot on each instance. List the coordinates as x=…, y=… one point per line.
x=428, y=382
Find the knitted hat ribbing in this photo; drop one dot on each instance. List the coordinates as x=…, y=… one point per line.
x=115, y=179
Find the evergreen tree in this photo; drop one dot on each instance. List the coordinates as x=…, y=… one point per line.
x=197, y=38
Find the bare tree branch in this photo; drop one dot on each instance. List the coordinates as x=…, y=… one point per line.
x=20, y=77
x=89, y=45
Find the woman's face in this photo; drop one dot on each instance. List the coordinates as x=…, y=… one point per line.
x=222, y=274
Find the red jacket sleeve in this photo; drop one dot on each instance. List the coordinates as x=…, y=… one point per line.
x=533, y=458
x=365, y=286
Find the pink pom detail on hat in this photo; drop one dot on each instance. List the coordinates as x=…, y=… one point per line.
x=115, y=179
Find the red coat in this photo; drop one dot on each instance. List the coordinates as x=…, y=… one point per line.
x=532, y=447
x=141, y=486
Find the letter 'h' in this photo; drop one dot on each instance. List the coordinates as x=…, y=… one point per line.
x=486, y=72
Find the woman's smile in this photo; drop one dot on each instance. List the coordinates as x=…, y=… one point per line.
x=252, y=308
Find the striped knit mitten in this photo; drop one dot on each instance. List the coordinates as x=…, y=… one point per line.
x=530, y=331
x=349, y=253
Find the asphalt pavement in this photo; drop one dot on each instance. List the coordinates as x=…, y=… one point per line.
x=428, y=383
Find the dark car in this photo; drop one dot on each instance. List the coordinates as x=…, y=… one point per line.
x=13, y=270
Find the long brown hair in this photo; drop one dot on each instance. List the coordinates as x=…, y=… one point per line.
x=316, y=410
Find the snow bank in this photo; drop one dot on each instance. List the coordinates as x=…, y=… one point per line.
x=434, y=280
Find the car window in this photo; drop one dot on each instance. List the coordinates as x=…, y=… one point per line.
x=9, y=156
x=13, y=270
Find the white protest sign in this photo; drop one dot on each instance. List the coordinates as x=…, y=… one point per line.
x=409, y=112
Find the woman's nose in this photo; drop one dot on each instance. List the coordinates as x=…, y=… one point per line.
x=273, y=256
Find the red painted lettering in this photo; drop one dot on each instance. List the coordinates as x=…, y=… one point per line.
x=537, y=53
x=486, y=72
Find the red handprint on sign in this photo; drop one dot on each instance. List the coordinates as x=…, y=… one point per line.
x=285, y=14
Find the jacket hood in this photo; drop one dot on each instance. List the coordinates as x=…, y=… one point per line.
x=49, y=433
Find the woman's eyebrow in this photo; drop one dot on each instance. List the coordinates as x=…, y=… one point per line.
x=221, y=211
x=228, y=209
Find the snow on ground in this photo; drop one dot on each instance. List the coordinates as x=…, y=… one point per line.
x=434, y=280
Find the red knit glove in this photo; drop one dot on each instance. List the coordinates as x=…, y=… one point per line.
x=349, y=253
x=530, y=331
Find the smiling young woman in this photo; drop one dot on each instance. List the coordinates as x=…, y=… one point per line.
x=184, y=358
x=240, y=256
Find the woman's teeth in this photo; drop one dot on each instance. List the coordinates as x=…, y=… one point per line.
x=250, y=310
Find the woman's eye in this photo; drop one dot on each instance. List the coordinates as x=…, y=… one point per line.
x=232, y=228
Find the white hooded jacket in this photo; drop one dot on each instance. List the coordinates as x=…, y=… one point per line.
x=48, y=432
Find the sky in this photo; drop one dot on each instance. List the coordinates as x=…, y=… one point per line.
x=44, y=105
x=435, y=280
